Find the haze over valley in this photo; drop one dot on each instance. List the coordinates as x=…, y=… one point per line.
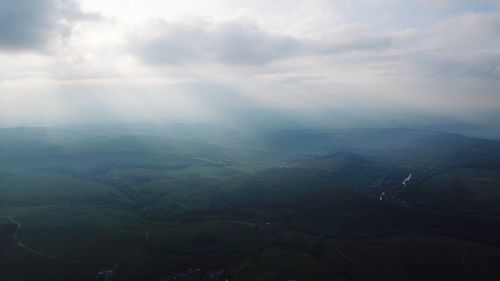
x=221, y=140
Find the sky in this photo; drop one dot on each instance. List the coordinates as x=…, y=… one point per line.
x=65, y=61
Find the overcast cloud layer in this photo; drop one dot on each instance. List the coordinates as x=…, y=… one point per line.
x=68, y=61
x=32, y=24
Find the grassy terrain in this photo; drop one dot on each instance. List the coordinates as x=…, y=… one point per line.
x=465, y=190
x=289, y=205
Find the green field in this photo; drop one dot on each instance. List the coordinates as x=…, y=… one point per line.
x=465, y=189
x=291, y=206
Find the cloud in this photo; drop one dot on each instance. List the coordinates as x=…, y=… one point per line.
x=238, y=43
x=33, y=24
x=283, y=53
x=463, y=46
x=231, y=43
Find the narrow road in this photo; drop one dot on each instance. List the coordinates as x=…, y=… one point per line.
x=43, y=255
x=355, y=263
x=146, y=238
x=191, y=194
